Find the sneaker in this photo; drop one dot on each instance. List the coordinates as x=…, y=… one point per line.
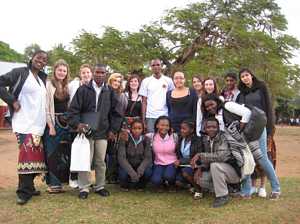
x=83, y=195
x=198, y=195
x=125, y=189
x=262, y=192
x=220, y=201
x=73, y=184
x=21, y=201
x=274, y=195
x=103, y=192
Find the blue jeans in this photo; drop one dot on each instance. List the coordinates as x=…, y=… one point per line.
x=163, y=173
x=150, y=124
x=180, y=171
x=125, y=181
x=266, y=165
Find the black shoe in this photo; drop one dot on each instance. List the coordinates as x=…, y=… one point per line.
x=220, y=201
x=36, y=193
x=21, y=201
x=83, y=195
x=103, y=192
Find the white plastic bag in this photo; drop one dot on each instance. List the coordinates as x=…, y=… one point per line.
x=80, y=154
x=249, y=163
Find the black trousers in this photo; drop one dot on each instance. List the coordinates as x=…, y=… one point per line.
x=26, y=186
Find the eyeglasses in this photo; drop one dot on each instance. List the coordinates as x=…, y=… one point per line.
x=155, y=65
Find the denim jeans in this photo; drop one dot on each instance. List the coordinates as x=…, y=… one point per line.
x=163, y=173
x=267, y=167
x=150, y=124
x=125, y=180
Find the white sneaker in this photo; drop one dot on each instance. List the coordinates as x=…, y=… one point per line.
x=262, y=192
x=73, y=183
x=198, y=195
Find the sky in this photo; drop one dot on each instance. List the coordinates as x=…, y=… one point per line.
x=48, y=23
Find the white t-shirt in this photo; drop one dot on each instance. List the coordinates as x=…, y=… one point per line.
x=155, y=90
x=31, y=118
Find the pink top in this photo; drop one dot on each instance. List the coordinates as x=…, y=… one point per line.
x=164, y=150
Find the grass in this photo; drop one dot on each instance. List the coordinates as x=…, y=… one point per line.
x=148, y=207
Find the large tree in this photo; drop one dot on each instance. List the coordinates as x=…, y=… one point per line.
x=207, y=37
x=8, y=54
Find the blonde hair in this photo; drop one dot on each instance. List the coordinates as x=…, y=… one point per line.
x=62, y=90
x=114, y=77
x=85, y=66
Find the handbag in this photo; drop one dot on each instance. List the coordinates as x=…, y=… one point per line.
x=80, y=154
x=255, y=127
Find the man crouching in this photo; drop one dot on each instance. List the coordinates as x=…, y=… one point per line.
x=216, y=162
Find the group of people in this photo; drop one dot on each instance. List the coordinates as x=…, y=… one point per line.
x=155, y=131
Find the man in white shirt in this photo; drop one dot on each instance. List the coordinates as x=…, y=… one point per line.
x=153, y=91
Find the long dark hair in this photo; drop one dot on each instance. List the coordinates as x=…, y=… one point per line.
x=255, y=80
x=214, y=97
x=162, y=118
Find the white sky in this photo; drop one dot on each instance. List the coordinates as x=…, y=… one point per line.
x=58, y=21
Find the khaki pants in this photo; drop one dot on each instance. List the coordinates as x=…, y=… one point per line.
x=98, y=152
x=218, y=177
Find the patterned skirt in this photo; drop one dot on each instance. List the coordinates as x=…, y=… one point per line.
x=31, y=154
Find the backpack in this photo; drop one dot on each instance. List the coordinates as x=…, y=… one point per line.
x=254, y=128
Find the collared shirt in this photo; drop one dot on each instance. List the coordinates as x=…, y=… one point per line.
x=185, y=148
x=98, y=91
x=155, y=90
x=231, y=95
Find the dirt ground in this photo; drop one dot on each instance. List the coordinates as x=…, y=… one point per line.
x=287, y=141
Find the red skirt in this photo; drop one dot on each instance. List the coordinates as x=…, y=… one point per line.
x=31, y=154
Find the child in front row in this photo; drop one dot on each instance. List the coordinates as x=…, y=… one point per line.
x=188, y=145
x=135, y=158
x=163, y=146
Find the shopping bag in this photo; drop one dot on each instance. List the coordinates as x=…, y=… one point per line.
x=80, y=154
x=249, y=163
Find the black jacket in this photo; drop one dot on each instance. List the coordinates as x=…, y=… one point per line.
x=196, y=147
x=258, y=95
x=15, y=80
x=84, y=101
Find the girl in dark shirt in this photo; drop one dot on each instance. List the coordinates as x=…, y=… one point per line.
x=135, y=158
x=188, y=145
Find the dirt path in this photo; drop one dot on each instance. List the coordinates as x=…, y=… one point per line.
x=287, y=140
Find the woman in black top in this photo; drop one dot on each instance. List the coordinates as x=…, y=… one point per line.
x=254, y=92
x=134, y=106
x=181, y=102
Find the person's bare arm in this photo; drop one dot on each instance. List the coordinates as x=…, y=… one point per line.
x=144, y=109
